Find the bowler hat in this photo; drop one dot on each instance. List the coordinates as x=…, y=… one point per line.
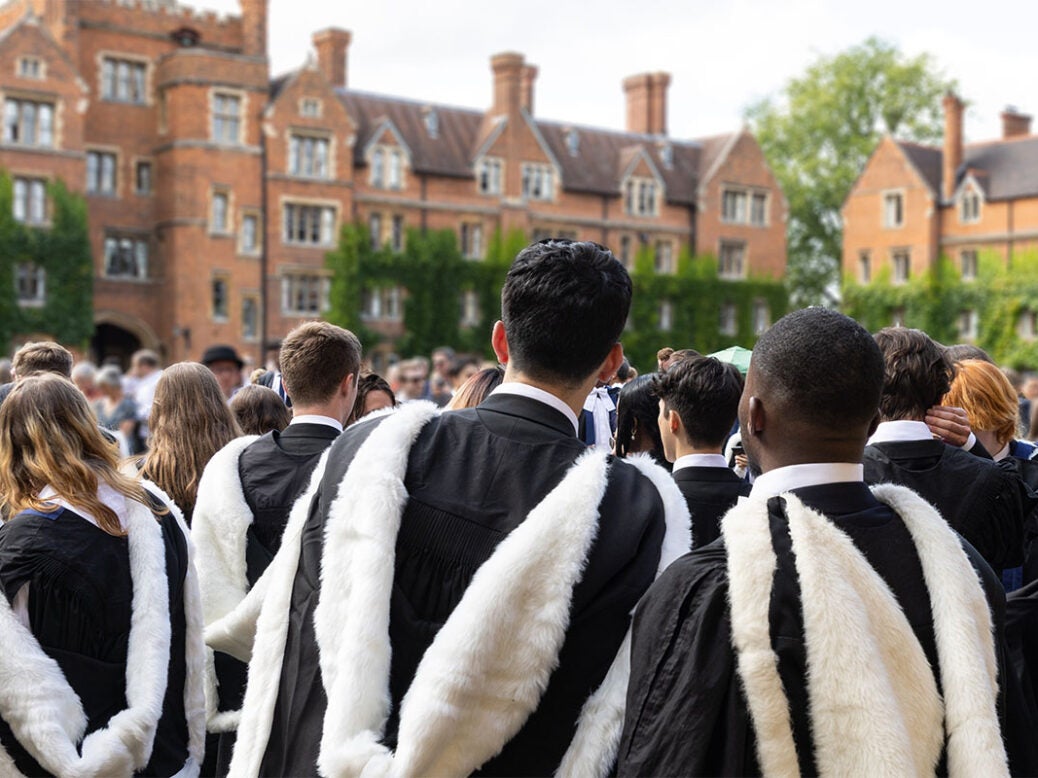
x=221, y=353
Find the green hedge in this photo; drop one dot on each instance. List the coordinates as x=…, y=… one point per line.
x=934, y=301
x=63, y=251
x=435, y=276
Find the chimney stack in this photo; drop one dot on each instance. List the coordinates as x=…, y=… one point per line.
x=509, y=71
x=254, y=27
x=1014, y=123
x=332, y=45
x=527, y=79
x=952, y=157
x=647, y=103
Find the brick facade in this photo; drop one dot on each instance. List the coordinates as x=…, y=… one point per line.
x=214, y=191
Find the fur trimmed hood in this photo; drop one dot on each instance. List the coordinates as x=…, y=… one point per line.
x=45, y=713
x=447, y=724
x=874, y=704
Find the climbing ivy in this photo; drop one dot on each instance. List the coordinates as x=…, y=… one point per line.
x=436, y=276
x=935, y=301
x=63, y=251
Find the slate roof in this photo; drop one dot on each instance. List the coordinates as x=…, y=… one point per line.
x=1004, y=169
x=596, y=167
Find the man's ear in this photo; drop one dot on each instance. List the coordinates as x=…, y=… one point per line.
x=755, y=416
x=674, y=421
x=499, y=342
x=873, y=426
x=611, y=363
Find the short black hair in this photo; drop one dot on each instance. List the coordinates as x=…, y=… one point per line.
x=564, y=304
x=917, y=373
x=639, y=404
x=705, y=393
x=823, y=367
x=963, y=351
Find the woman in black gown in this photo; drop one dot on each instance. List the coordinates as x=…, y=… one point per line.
x=100, y=623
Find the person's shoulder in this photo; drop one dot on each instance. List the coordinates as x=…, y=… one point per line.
x=701, y=574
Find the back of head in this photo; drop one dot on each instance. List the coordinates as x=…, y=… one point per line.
x=109, y=376
x=961, y=351
x=259, y=409
x=820, y=368
x=564, y=305
x=190, y=421
x=49, y=436
x=987, y=396
x=638, y=408
x=705, y=394
x=315, y=358
x=476, y=389
x=84, y=371
x=146, y=358
x=917, y=374
x=42, y=357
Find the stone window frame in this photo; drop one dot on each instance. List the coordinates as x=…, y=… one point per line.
x=739, y=271
x=531, y=173
x=886, y=196
x=117, y=183
x=21, y=96
x=243, y=215
x=321, y=276
x=138, y=162
x=31, y=178
x=900, y=265
x=39, y=64
x=40, y=282
x=634, y=202
x=224, y=278
x=310, y=202
x=227, y=229
x=250, y=296
x=303, y=107
x=749, y=195
x=490, y=175
x=135, y=60
x=470, y=234
x=243, y=111
x=320, y=135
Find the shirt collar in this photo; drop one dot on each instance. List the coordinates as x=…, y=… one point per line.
x=313, y=418
x=786, y=479
x=547, y=398
x=699, y=460
x=900, y=431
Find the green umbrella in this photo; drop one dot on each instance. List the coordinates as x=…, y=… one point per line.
x=736, y=355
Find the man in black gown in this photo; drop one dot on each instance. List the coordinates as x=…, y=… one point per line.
x=431, y=566
x=803, y=642
x=699, y=399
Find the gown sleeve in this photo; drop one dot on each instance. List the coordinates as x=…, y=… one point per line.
x=686, y=713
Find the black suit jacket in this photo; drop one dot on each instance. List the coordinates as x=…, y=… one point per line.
x=709, y=492
x=472, y=477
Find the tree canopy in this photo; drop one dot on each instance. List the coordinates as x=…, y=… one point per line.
x=818, y=133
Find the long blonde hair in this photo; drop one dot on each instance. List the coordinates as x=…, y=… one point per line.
x=189, y=422
x=49, y=436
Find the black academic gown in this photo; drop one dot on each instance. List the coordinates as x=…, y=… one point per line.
x=686, y=712
x=984, y=503
x=274, y=471
x=709, y=492
x=473, y=476
x=80, y=605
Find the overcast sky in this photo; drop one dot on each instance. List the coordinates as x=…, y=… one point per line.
x=722, y=54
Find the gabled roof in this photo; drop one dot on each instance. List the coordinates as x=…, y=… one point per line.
x=596, y=168
x=927, y=161
x=448, y=154
x=1004, y=169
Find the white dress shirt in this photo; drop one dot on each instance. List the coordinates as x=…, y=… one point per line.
x=699, y=460
x=904, y=430
x=541, y=396
x=785, y=479
x=327, y=421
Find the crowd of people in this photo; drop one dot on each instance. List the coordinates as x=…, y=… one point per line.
x=829, y=554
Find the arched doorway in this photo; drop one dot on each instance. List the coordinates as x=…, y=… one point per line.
x=117, y=336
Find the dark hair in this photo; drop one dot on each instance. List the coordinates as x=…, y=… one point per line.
x=680, y=354
x=366, y=384
x=476, y=388
x=824, y=368
x=917, y=374
x=624, y=371
x=963, y=351
x=460, y=363
x=639, y=405
x=564, y=304
x=315, y=358
x=43, y=356
x=705, y=394
x=259, y=409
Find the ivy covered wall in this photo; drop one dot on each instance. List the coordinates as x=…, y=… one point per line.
x=62, y=250
x=1003, y=298
x=436, y=276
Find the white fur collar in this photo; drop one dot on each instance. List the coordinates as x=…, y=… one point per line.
x=46, y=715
x=875, y=709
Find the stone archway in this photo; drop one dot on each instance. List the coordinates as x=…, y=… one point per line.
x=117, y=335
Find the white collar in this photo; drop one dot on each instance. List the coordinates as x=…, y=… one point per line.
x=1001, y=454
x=533, y=393
x=313, y=418
x=105, y=493
x=785, y=479
x=699, y=460
x=900, y=431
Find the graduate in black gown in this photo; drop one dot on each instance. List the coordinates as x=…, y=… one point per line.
x=100, y=619
x=833, y=629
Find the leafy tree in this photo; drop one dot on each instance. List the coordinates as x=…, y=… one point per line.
x=819, y=131
x=63, y=251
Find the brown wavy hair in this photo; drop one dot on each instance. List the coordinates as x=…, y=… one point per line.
x=190, y=421
x=49, y=437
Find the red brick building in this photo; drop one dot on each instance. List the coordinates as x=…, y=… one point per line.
x=914, y=204
x=214, y=191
